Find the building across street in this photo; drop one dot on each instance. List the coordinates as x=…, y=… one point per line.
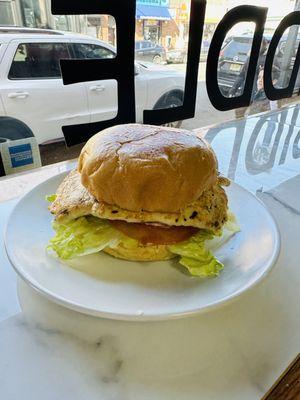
x=163, y=22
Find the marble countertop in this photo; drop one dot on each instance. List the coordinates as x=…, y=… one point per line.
x=233, y=353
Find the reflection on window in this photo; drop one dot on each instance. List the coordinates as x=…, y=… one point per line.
x=62, y=22
x=285, y=56
x=86, y=50
x=6, y=13
x=34, y=13
x=237, y=49
x=38, y=60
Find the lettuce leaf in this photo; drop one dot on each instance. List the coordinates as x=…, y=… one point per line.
x=51, y=198
x=208, y=267
x=196, y=253
x=85, y=235
x=196, y=257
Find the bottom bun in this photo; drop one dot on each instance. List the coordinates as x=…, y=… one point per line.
x=141, y=253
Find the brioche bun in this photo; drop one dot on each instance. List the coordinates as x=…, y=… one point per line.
x=144, y=167
x=140, y=253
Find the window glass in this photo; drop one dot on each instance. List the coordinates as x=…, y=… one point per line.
x=234, y=59
x=38, y=60
x=158, y=40
x=87, y=50
x=62, y=22
x=285, y=58
x=34, y=13
x=237, y=48
x=6, y=13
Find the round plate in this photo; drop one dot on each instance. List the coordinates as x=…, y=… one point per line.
x=104, y=286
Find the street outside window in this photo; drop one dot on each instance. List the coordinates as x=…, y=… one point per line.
x=161, y=53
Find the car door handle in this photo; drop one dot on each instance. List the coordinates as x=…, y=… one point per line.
x=97, y=88
x=18, y=95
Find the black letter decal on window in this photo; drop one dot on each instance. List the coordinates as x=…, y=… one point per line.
x=237, y=14
x=279, y=93
x=187, y=110
x=120, y=68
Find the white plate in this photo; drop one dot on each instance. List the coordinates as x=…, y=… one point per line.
x=126, y=290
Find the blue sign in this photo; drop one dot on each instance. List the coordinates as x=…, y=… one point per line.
x=161, y=3
x=21, y=155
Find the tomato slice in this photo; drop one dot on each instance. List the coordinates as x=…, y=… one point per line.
x=154, y=234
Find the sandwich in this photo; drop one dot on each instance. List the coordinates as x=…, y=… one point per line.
x=143, y=193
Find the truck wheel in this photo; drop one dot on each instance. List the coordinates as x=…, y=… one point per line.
x=14, y=129
x=157, y=59
x=169, y=101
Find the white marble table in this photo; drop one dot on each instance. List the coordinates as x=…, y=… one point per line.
x=236, y=352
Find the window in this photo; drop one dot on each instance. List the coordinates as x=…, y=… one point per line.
x=90, y=50
x=62, y=22
x=147, y=45
x=34, y=13
x=238, y=48
x=6, y=13
x=38, y=60
x=282, y=48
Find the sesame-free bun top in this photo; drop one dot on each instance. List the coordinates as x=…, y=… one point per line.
x=144, y=167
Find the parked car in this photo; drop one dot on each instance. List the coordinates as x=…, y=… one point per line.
x=34, y=101
x=234, y=54
x=177, y=56
x=148, y=51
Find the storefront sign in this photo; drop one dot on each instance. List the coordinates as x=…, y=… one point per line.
x=183, y=12
x=163, y=3
x=122, y=67
x=151, y=22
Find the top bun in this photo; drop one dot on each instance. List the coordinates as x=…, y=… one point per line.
x=144, y=167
